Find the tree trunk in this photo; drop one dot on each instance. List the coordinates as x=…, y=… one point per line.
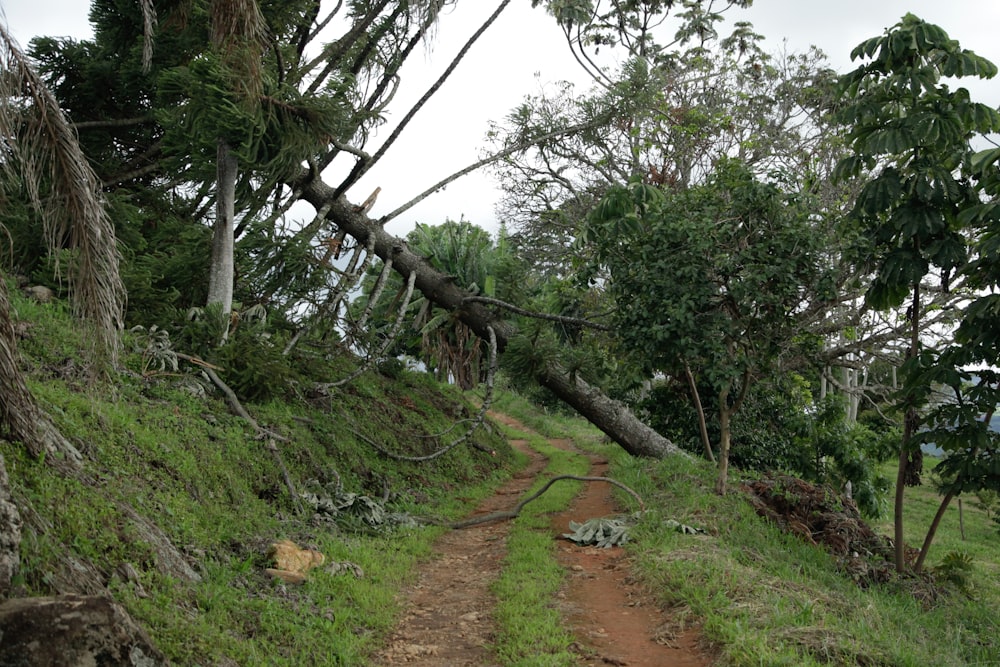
x=725, y=416
x=909, y=427
x=612, y=417
x=932, y=531
x=607, y=414
x=702, y=425
x=222, y=270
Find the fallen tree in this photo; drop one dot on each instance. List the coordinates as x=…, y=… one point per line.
x=610, y=416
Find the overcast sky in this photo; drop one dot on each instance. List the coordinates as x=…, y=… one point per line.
x=503, y=65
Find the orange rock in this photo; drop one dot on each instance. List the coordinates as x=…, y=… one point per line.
x=288, y=556
x=286, y=576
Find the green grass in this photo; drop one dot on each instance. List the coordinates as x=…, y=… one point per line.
x=767, y=598
x=981, y=539
x=165, y=449
x=763, y=597
x=530, y=631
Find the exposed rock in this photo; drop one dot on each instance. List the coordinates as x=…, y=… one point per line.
x=72, y=631
x=291, y=562
x=40, y=293
x=10, y=532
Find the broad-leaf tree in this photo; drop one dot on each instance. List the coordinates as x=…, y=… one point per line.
x=712, y=282
x=911, y=134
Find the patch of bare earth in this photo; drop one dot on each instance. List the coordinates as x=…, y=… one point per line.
x=449, y=609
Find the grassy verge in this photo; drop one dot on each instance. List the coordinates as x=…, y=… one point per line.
x=763, y=597
x=530, y=629
x=767, y=598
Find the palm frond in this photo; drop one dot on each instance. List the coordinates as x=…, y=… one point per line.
x=37, y=140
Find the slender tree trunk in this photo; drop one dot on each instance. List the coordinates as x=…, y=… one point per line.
x=222, y=270
x=702, y=425
x=909, y=425
x=932, y=531
x=725, y=415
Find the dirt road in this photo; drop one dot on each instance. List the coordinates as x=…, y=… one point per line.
x=449, y=609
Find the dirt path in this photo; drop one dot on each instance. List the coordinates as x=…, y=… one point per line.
x=449, y=621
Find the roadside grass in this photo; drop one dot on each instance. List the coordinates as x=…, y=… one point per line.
x=530, y=631
x=981, y=541
x=162, y=451
x=763, y=597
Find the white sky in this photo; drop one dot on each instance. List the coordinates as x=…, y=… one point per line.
x=501, y=69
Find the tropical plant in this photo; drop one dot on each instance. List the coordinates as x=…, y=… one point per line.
x=911, y=135
x=449, y=348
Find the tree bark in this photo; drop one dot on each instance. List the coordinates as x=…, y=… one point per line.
x=702, y=426
x=725, y=436
x=909, y=427
x=932, y=531
x=610, y=416
x=222, y=271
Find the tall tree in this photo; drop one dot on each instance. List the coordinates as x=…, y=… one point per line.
x=911, y=135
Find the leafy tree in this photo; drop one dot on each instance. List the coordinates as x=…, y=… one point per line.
x=910, y=135
x=666, y=119
x=711, y=282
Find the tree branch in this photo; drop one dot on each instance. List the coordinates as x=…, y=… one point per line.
x=538, y=316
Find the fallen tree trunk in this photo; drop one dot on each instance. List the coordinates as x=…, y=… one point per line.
x=610, y=416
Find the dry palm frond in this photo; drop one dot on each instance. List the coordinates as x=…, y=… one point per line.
x=239, y=32
x=37, y=140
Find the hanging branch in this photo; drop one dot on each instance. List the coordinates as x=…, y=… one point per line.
x=539, y=316
x=36, y=136
x=347, y=282
x=390, y=338
x=376, y=293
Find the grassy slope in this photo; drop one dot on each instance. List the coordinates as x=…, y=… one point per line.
x=181, y=461
x=766, y=598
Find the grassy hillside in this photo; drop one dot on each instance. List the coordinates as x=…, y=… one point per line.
x=179, y=500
